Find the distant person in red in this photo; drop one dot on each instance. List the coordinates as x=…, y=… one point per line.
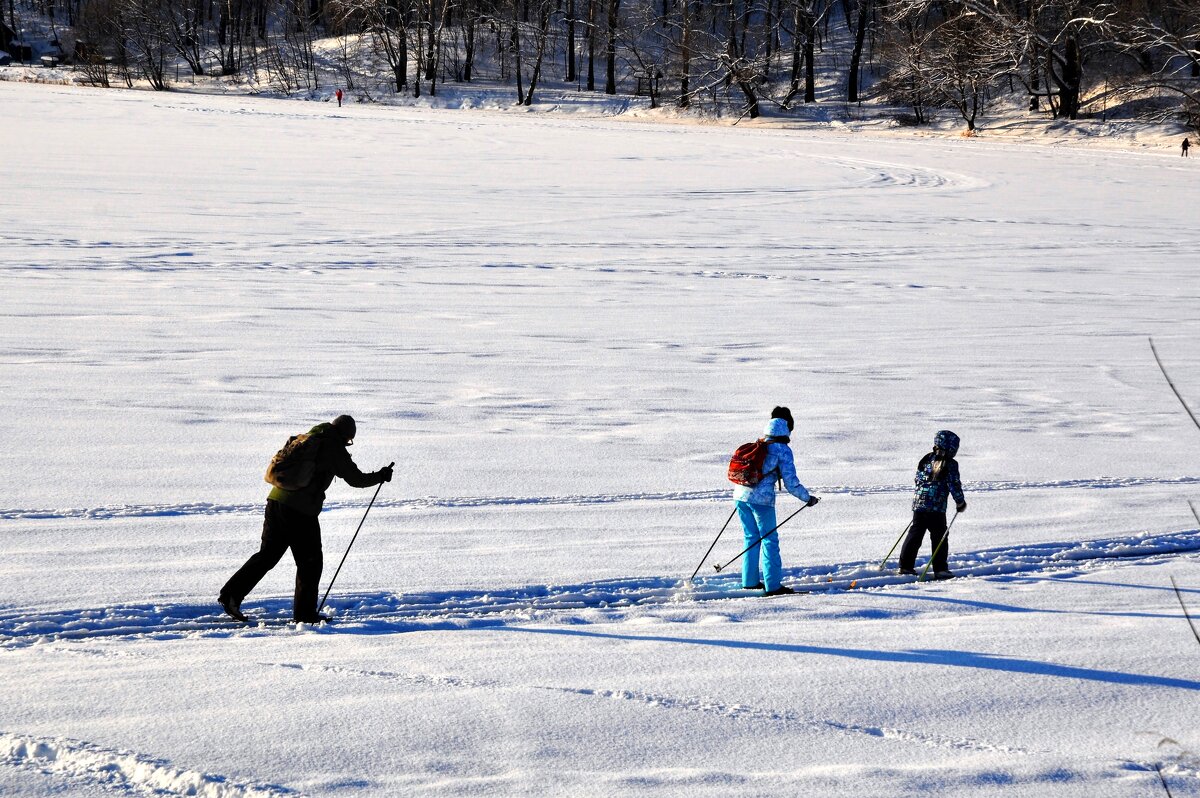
x=338, y=94
x=1187, y=145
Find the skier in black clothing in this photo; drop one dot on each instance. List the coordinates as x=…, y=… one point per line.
x=937, y=478
x=1187, y=145
x=291, y=522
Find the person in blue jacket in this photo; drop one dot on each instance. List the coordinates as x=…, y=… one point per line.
x=756, y=508
x=937, y=479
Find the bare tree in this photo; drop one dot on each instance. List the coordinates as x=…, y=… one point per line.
x=146, y=32
x=963, y=64
x=807, y=15
x=906, y=53
x=1163, y=36
x=530, y=39
x=386, y=22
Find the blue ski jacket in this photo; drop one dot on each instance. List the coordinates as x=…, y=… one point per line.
x=779, y=465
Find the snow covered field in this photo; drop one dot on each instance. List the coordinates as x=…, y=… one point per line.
x=560, y=329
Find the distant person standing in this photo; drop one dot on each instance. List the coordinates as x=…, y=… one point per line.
x=338, y=94
x=1187, y=145
x=937, y=479
x=306, y=466
x=755, y=505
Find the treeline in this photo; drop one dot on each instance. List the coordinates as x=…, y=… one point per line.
x=1062, y=57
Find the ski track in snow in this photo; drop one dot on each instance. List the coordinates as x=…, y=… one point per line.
x=742, y=712
x=410, y=678
x=119, y=511
x=122, y=771
x=386, y=612
x=677, y=703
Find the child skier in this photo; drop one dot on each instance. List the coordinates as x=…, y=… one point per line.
x=937, y=477
x=756, y=508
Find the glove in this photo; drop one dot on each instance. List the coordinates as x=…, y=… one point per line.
x=385, y=474
x=812, y=500
x=961, y=507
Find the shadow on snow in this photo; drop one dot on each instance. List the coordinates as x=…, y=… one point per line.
x=944, y=658
x=386, y=612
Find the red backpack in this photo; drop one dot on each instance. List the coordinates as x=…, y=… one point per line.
x=745, y=467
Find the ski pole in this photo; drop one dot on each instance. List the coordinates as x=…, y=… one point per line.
x=883, y=564
x=760, y=540
x=347, y=554
x=692, y=578
x=945, y=537
x=1171, y=383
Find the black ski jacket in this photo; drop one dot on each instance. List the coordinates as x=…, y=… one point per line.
x=333, y=460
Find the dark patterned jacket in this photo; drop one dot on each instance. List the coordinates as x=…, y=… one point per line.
x=936, y=480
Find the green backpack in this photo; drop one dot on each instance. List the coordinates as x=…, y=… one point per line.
x=293, y=466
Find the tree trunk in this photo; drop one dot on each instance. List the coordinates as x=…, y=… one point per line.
x=431, y=56
x=769, y=29
x=751, y=96
x=796, y=60
x=1072, y=79
x=860, y=36
x=1035, y=81
x=745, y=25
x=571, y=75
x=810, y=74
x=437, y=35
x=610, y=50
x=469, y=66
x=515, y=41
x=543, y=35
x=591, y=41
x=420, y=55
x=685, y=56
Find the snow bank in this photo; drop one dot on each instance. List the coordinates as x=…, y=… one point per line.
x=121, y=770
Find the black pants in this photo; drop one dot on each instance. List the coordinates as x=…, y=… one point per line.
x=283, y=529
x=935, y=525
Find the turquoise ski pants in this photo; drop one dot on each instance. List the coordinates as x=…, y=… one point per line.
x=758, y=519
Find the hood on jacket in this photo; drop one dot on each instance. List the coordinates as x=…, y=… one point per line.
x=777, y=428
x=946, y=441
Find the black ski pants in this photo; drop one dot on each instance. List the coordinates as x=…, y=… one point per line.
x=935, y=525
x=283, y=529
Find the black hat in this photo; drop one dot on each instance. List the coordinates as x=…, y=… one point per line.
x=345, y=425
x=786, y=415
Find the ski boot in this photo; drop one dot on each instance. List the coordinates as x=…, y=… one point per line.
x=233, y=608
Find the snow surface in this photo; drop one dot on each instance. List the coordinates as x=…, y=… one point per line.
x=560, y=328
